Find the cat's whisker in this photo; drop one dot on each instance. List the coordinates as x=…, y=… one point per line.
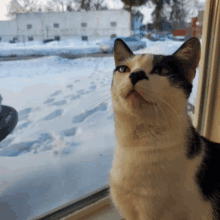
x=98, y=102
x=103, y=102
x=177, y=98
x=170, y=108
x=164, y=117
x=145, y=92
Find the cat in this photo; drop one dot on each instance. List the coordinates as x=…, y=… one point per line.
x=162, y=168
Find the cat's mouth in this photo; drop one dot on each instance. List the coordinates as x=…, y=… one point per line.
x=138, y=95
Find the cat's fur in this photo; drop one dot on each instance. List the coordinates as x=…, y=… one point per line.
x=162, y=169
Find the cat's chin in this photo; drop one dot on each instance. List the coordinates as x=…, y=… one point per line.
x=136, y=96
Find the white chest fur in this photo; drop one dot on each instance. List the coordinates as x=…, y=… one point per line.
x=157, y=184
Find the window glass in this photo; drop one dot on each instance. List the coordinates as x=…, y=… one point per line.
x=58, y=79
x=56, y=25
x=29, y=26
x=113, y=24
x=57, y=38
x=84, y=24
x=30, y=38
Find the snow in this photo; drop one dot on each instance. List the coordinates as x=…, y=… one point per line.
x=62, y=147
x=70, y=46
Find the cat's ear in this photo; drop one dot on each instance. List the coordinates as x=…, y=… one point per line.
x=121, y=51
x=189, y=55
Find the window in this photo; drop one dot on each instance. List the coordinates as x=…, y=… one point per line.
x=29, y=26
x=85, y=38
x=57, y=38
x=113, y=24
x=30, y=38
x=63, y=144
x=83, y=24
x=113, y=36
x=56, y=25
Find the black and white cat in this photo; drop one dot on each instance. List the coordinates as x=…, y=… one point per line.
x=162, y=169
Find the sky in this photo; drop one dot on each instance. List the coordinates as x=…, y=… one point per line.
x=112, y=4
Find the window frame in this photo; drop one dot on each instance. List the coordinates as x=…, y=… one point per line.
x=201, y=119
x=206, y=102
x=76, y=206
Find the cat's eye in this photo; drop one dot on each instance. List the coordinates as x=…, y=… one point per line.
x=122, y=69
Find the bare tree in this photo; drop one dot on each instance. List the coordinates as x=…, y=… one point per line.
x=157, y=14
x=91, y=5
x=60, y=4
x=70, y=5
x=177, y=12
x=29, y=5
x=13, y=8
x=84, y=4
x=99, y=5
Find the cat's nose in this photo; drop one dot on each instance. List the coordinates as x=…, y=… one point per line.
x=137, y=76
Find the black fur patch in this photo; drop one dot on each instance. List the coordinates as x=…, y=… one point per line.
x=157, y=59
x=137, y=76
x=176, y=74
x=208, y=176
x=194, y=144
x=113, y=78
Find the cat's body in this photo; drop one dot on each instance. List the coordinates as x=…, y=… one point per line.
x=162, y=168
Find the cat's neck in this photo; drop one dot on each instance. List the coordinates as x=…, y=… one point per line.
x=134, y=131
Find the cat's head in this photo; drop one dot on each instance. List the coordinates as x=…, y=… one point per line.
x=147, y=84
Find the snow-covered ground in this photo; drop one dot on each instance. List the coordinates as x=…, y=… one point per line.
x=62, y=147
x=71, y=46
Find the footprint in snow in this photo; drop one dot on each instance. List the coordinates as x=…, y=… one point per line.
x=111, y=117
x=68, y=150
x=24, y=114
x=81, y=117
x=45, y=137
x=59, y=103
x=83, y=91
x=24, y=125
x=69, y=132
x=56, y=93
x=73, y=97
x=70, y=86
x=6, y=142
x=49, y=101
x=43, y=143
x=92, y=87
x=53, y=115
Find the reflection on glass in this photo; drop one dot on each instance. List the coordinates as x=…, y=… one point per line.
x=56, y=71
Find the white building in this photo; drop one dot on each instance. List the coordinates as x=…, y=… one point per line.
x=8, y=30
x=64, y=25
